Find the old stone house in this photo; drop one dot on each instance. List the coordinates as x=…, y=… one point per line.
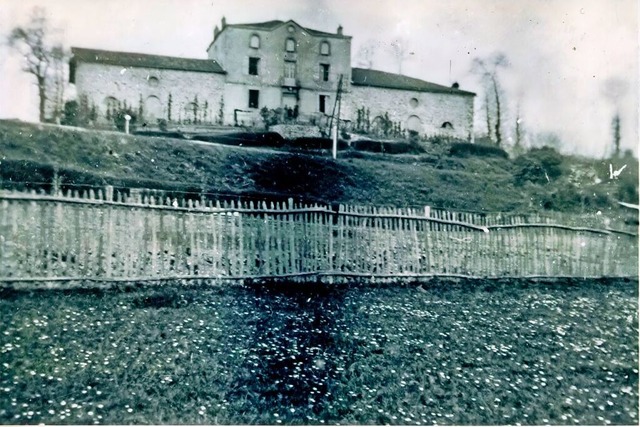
x=272, y=64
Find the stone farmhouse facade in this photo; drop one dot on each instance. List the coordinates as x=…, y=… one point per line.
x=274, y=64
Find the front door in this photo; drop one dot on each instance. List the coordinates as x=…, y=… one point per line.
x=290, y=105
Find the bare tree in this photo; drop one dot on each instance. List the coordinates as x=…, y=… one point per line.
x=58, y=84
x=615, y=125
x=400, y=51
x=488, y=69
x=487, y=110
x=42, y=60
x=615, y=90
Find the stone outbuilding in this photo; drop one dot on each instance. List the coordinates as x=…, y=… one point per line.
x=273, y=65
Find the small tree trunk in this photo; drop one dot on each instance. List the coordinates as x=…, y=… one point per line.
x=497, y=95
x=42, y=93
x=486, y=107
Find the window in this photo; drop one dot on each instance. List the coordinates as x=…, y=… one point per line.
x=291, y=29
x=153, y=81
x=112, y=105
x=290, y=45
x=324, y=72
x=322, y=104
x=253, y=66
x=414, y=124
x=152, y=108
x=254, y=98
x=290, y=69
x=413, y=102
x=325, y=49
x=447, y=125
x=254, y=42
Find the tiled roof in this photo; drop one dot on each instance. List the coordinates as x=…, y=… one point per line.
x=129, y=59
x=268, y=25
x=374, y=78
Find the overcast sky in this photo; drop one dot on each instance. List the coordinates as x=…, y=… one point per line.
x=561, y=52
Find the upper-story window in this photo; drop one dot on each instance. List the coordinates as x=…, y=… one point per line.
x=153, y=81
x=324, y=72
x=255, y=41
x=325, y=48
x=290, y=45
x=253, y=66
x=290, y=69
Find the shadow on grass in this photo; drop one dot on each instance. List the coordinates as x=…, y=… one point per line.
x=313, y=176
x=294, y=352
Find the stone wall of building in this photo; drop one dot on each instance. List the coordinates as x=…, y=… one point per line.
x=195, y=96
x=232, y=50
x=425, y=112
x=198, y=97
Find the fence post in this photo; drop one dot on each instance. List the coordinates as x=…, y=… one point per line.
x=292, y=238
x=108, y=191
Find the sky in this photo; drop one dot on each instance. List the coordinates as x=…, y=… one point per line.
x=563, y=54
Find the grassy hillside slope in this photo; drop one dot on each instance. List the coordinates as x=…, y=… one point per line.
x=30, y=153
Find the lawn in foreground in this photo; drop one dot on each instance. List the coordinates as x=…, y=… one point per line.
x=473, y=352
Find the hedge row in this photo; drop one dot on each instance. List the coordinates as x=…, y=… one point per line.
x=245, y=139
x=387, y=147
x=26, y=175
x=275, y=140
x=464, y=149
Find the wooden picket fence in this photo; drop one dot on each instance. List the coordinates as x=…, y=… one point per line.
x=109, y=236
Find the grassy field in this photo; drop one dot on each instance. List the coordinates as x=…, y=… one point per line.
x=30, y=152
x=474, y=352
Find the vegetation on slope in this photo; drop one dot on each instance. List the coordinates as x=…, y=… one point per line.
x=32, y=155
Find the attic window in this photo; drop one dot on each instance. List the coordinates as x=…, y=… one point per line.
x=255, y=41
x=413, y=102
x=290, y=46
x=153, y=81
x=447, y=125
x=325, y=49
x=291, y=29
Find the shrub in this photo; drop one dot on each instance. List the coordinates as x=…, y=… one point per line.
x=410, y=147
x=120, y=121
x=160, y=133
x=24, y=175
x=163, y=125
x=314, y=143
x=465, y=149
x=70, y=115
x=245, y=139
x=539, y=166
x=398, y=147
x=271, y=117
x=367, y=145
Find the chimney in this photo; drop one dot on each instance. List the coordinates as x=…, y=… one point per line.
x=224, y=22
x=340, y=29
x=216, y=31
